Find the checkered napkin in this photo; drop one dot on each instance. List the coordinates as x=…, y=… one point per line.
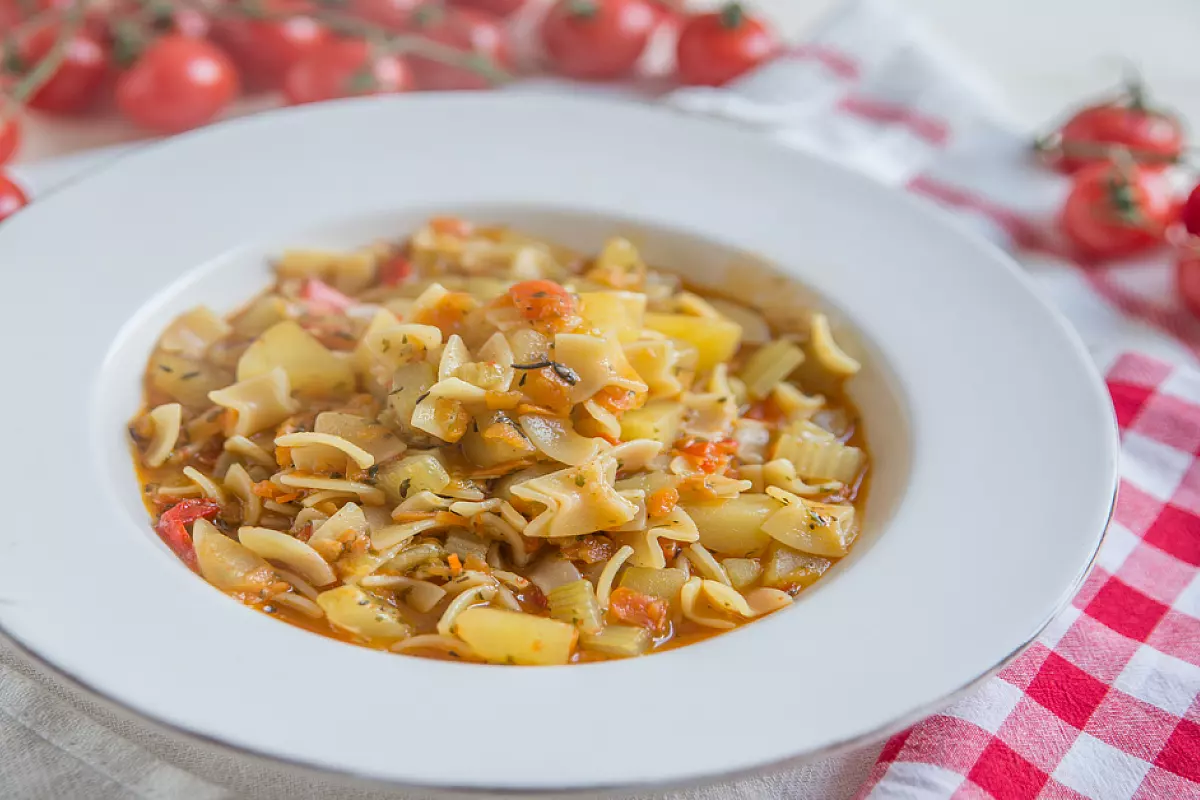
x=1104, y=705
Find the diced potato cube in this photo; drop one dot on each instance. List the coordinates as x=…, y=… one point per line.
x=362, y=614
x=787, y=568
x=500, y=636
x=810, y=527
x=618, y=640
x=415, y=473
x=186, y=380
x=715, y=340
x=742, y=572
x=312, y=369
x=733, y=527
x=658, y=420
x=663, y=583
x=617, y=315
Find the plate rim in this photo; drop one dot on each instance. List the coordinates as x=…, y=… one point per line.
x=697, y=777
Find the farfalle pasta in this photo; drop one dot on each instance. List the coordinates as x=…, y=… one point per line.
x=476, y=445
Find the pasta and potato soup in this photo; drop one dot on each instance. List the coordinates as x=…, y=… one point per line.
x=476, y=445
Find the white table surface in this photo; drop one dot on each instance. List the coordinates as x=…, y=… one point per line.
x=1044, y=55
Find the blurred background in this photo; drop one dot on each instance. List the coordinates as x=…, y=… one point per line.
x=1043, y=55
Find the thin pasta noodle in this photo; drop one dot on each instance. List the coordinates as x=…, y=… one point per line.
x=360, y=457
x=208, y=487
x=474, y=596
x=168, y=421
x=609, y=574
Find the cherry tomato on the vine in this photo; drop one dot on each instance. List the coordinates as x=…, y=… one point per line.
x=391, y=14
x=1116, y=210
x=177, y=84
x=501, y=8
x=344, y=69
x=1187, y=275
x=12, y=197
x=1153, y=137
x=75, y=85
x=1189, y=214
x=266, y=49
x=716, y=47
x=10, y=136
x=597, y=39
x=470, y=32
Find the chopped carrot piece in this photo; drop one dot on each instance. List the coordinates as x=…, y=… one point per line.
x=455, y=563
x=662, y=502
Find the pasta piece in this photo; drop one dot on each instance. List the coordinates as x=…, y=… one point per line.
x=359, y=456
x=635, y=454
x=752, y=437
x=508, y=637
x=770, y=366
x=826, y=350
x=299, y=603
x=421, y=502
x=733, y=527
x=168, y=421
x=450, y=646
x=241, y=485
x=715, y=340
x=556, y=438
x=364, y=358
x=349, y=522
x=639, y=521
x=298, y=584
x=726, y=598
x=242, y=447
x=208, y=487
x=259, y=402
x=481, y=593
x=312, y=370
x=368, y=494
x=393, y=535
x=595, y=364
x=228, y=565
x=810, y=527
x=412, y=556
x=692, y=602
x=576, y=603
x=362, y=614
x=609, y=574
x=326, y=496
x=706, y=565
x=285, y=509
x=577, y=500
x=794, y=403
x=677, y=526
x=595, y=420
x=318, y=458
x=656, y=363
x=764, y=600
x=421, y=595
x=623, y=641
x=301, y=557
x=192, y=333
x=190, y=490
x=403, y=344
x=454, y=355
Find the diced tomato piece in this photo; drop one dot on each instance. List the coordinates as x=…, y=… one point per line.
x=395, y=271
x=617, y=400
x=172, y=526
x=638, y=609
x=766, y=410
x=451, y=226
x=662, y=502
x=321, y=298
x=710, y=456
x=542, y=300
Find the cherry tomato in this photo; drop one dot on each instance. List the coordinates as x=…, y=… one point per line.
x=394, y=15
x=597, y=39
x=12, y=197
x=179, y=83
x=344, y=69
x=717, y=47
x=1190, y=213
x=267, y=48
x=1153, y=137
x=542, y=300
x=76, y=83
x=1116, y=210
x=468, y=31
x=10, y=137
x=501, y=8
x=1187, y=276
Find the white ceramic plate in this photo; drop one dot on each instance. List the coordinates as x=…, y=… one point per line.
x=992, y=438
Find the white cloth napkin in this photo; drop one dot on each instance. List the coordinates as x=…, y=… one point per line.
x=868, y=88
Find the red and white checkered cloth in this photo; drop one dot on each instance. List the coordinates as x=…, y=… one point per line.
x=1105, y=703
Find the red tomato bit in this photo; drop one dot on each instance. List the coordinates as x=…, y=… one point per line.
x=638, y=609
x=172, y=526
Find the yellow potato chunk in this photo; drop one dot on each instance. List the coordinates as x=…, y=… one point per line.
x=311, y=368
x=510, y=637
x=658, y=420
x=715, y=340
x=733, y=527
